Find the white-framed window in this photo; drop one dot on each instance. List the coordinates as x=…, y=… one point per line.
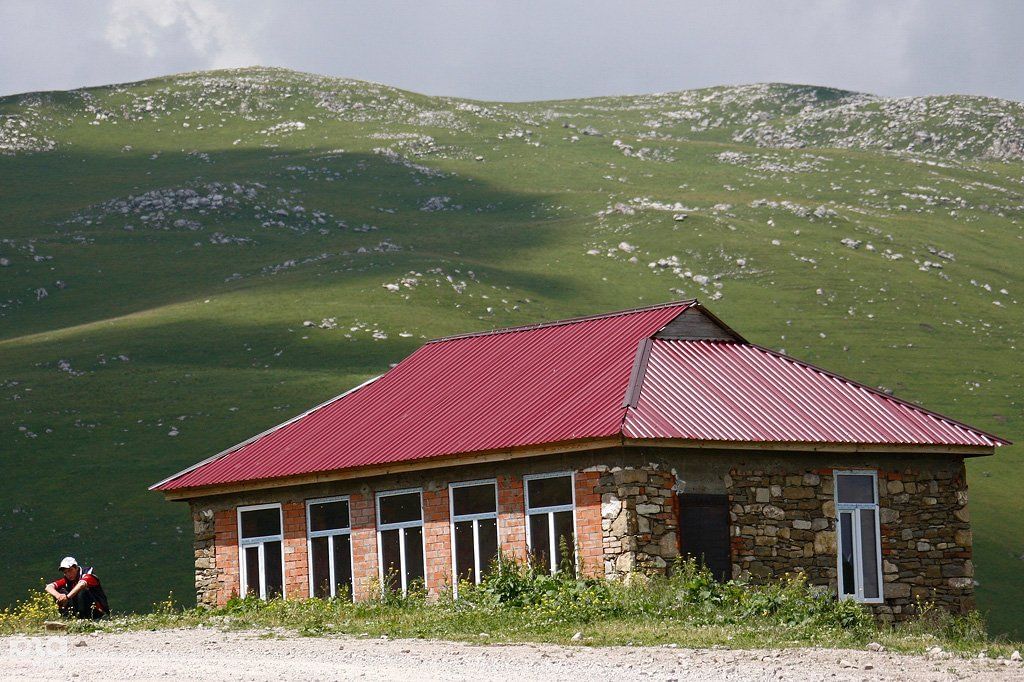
x=551, y=518
x=474, y=527
x=858, y=536
x=329, y=541
x=401, y=552
x=261, y=550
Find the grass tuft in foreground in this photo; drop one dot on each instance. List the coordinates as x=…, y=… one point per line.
x=517, y=603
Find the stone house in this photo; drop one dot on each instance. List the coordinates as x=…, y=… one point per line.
x=631, y=438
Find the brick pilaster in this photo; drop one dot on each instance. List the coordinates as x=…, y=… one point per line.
x=438, y=540
x=589, y=538
x=226, y=554
x=364, y=545
x=512, y=518
x=296, y=565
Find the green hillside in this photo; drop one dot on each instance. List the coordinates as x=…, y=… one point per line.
x=188, y=260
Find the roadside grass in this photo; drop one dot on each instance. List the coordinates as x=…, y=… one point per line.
x=516, y=603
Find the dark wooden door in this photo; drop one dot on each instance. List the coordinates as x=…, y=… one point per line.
x=704, y=532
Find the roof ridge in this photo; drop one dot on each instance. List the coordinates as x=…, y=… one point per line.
x=569, y=320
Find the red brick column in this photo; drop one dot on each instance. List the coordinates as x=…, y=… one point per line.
x=296, y=555
x=364, y=545
x=589, y=539
x=438, y=540
x=225, y=531
x=512, y=518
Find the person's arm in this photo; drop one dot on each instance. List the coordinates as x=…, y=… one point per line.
x=51, y=589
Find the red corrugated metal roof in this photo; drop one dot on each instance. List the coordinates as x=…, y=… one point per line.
x=523, y=386
x=566, y=381
x=721, y=391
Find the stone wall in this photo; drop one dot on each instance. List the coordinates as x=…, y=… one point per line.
x=204, y=547
x=638, y=519
x=784, y=522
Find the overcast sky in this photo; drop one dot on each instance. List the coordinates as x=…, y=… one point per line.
x=511, y=50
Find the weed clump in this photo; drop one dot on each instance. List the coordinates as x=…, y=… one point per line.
x=28, y=614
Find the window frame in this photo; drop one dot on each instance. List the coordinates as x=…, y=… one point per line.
x=260, y=541
x=452, y=518
x=550, y=511
x=400, y=527
x=858, y=544
x=330, y=533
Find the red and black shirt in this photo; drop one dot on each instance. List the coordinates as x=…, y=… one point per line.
x=92, y=583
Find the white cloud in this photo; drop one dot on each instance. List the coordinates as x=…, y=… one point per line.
x=153, y=26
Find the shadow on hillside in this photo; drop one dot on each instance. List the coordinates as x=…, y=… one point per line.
x=122, y=272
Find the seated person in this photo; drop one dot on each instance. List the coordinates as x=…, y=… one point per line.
x=79, y=593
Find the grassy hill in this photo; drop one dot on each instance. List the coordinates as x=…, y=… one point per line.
x=188, y=260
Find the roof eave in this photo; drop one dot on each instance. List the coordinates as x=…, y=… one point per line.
x=804, y=446
x=184, y=494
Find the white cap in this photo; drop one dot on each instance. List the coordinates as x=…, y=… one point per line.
x=68, y=562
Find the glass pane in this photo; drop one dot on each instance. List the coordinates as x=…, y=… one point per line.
x=400, y=508
x=391, y=559
x=869, y=553
x=474, y=499
x=321, y=562
x=328, y=515
x=342, y=566
x=550, y=492
x=464, y=557
x=846, y=552
x=856, y=488
x=540, y=540
x=565, y=540
x=252, y=571
x=414, y=556
x=272, y=569
x=260, y=522
x=487, y=533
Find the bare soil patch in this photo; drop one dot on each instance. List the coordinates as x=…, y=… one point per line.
x=206, y=654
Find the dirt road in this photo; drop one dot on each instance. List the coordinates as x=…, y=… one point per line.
x=206, y=654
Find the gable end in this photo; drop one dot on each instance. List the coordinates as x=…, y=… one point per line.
x=697, y=324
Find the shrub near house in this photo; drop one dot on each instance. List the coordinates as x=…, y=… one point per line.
x=632, y=436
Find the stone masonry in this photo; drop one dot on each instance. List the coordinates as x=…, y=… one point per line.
x=784, y=522
x=638, y=519
x=205, y=549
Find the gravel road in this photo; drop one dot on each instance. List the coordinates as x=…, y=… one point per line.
x=205, y=654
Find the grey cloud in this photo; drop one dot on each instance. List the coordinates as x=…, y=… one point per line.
x=528, y=50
